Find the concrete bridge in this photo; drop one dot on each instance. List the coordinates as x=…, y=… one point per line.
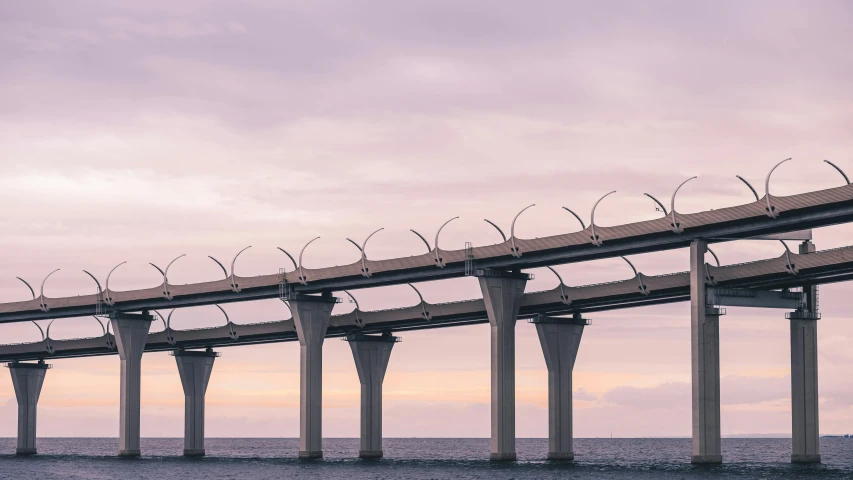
x=788, y=282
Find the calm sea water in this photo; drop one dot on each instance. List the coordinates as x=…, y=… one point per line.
x=245, y=459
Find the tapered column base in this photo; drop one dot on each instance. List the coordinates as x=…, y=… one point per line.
x=370, y=453
x=705, y=459
x=194, y=452
x=502, y=457
x=562, y=456
x=32, y=451
x=129, y=453
x=311, y=455
x=805, y=458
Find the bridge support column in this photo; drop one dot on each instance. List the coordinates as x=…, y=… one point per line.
x=27, y=379
x=502, y=293
x=705, y=362
x=195, y=368
x=805, y=439
x=371, y=354
x=560, y=339
x=131, y=333
x=311, y=315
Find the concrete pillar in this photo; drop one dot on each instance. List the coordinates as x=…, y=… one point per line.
x=195, y=368
x=705, y=362
x=311, y=315
x=371, y=354
x=560, y=339
x=805, y=438
x=502, y=293
x=131, y=333
x=27, y=379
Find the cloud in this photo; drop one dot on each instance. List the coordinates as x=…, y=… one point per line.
x=651, y=398
x=126, y=28
x=584, y=396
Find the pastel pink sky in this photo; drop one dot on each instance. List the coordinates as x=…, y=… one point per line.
x=140, y=131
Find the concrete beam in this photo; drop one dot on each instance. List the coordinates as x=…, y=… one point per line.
x=311, y=316
x=747, y=297
x=560, y=339
x=371, y=354
x=27, y=379
x=131, y=333
x=805, y=438
x=195, y=368
x=502, y=292
x=705, y=363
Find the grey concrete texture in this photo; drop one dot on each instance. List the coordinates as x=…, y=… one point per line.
x=131, y=332
x=704, y=364
x=560, y=343
x=371, y=358
x=27, y=380
x=195, y=370
x=502, y=297
x=311, y=318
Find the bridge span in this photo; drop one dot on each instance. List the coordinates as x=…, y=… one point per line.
x=788, y=282
x=769, y=215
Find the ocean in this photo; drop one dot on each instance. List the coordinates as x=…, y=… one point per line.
x=417, y=458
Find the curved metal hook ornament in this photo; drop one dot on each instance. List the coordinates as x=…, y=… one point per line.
x=48, y=346
x=110, y=343
x=234, y=287
x=749, y=186
x=166, y=293
x=515, y=250
x=359, y=323
x=28, y=286
x=424, y=313
x=165, y=327
x=637, y=274
x=790, y=267
x=496, y=228
x=439, y=262
x=356, y=246
x=288, y=256
x=42, y=301
x=302, y=277
x=100, y=290
x=169, y=319
x=364, y=270
x=103, y=330
x=839, y=171
x=771, y=210
x=716, y=258
x=224, y=271
x=40, y=329
x=594, y=237
x=660, y=205
x=583, y=227
x=288, y=308
x=231, y=332
x=109, y=301
x=168, y=329
x=563, y=297
x=676, y=227
x=429, y=249
x=708, y=277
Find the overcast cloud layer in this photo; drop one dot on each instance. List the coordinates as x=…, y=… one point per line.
x=140, y=131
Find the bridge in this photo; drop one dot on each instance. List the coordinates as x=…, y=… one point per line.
x=788, y=282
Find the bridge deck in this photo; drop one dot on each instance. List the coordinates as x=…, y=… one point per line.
x=820, y=267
